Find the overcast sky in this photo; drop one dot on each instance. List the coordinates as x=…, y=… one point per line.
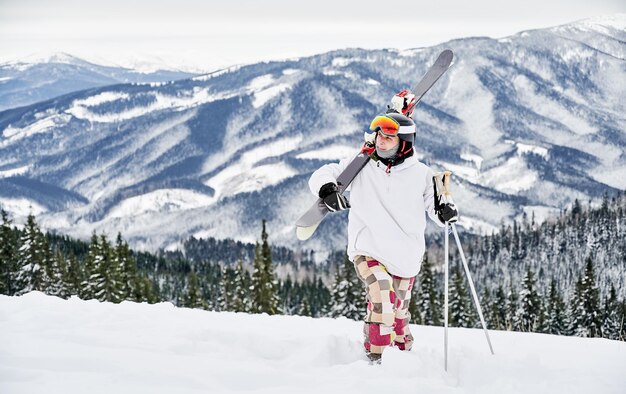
x=209, y=35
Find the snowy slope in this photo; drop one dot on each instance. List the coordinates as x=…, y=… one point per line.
x=527, y=123
x=55, y=346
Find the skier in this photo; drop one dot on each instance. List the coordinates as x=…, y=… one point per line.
x=386, y=223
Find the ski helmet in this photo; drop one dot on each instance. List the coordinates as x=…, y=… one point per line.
x=394, y=124
x=403, y=102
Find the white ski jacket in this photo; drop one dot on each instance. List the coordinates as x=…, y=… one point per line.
x=387, y=219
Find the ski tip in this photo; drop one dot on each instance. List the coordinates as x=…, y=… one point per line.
x=446, y=56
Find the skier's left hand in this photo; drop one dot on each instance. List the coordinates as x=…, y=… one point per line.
x=448, y=213
x=333, y=200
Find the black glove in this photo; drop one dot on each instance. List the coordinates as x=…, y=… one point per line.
x=448, y=213
x=333, y=200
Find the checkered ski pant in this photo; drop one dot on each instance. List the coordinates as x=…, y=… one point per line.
x=388, y=297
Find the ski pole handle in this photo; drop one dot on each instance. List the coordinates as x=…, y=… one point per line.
x=442, y=184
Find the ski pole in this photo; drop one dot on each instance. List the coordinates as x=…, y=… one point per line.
x=471, y=283
x=445, y=308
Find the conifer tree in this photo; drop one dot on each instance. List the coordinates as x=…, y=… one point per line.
x=305, y=308
x=511, y=316
x=240, y=302
x=8, y=256
x=529, y=308
x=193, y=297
x=321, y=296
x=576, y=311
x=264, y=291
x=429, y=297
x=498, y=310
x=92, y=277
x=586, y=318
x=555, y=317
x=271, y=283
x=73, y=275
x=486, y=305
x=611, y=320
x=31, y=273
x=227, y=290
x=347, y=294
x=54, y=267
x=460, y=313
x=103, y=277
x=125, y=265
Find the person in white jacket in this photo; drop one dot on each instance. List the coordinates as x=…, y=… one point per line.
x=386, y=223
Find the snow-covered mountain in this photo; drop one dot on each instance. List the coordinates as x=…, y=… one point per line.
x=41, y=77
x=527, y=123
x=72, y=346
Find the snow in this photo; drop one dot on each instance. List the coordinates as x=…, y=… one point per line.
x=164, y=200
x=182, y=101
x=342, y=61
x=545, y=106
x=526, y=148
x=265, y=88
x=511, y=177
x=476, y=159
x=104, y=97
x=43, y=125
x=14, y=171
x=21, y=207
x=291, y=71
x=265, y=95
x=72, y=346
x=249, y=176
x=541, y=212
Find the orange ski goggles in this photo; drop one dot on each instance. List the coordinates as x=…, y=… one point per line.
x=388, y=126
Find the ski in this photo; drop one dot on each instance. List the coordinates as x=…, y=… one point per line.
x=308, y=223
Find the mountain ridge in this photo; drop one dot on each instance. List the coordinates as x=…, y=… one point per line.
x=530, y=122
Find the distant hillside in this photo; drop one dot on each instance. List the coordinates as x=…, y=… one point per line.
x=527, y=123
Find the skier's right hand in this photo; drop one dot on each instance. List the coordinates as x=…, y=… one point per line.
x=334, y=201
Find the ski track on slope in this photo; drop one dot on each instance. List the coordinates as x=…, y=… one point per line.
x=72, y=346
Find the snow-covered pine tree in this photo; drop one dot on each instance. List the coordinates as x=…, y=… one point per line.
x=227, y=289
x=428, y=300
x=103, y=280
x=271, y=283
x=347, y=294
x=512, y=323
x=240, y=301
x=498, y=311
x=611, y=319
x=257, y=285
x=73, y=275
x=92, y=278
x=193, y=297
x=486, y=305
x=459, y=308
x=555, y=313
x=8, y=256
x=304, y=308
x=529, y=309
x=590, y=296
x=126, y=266
x=288, y=293
x=576, y=311
x=264, y=284
x=54, y=266
x=320, y=298
x=31, y=273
